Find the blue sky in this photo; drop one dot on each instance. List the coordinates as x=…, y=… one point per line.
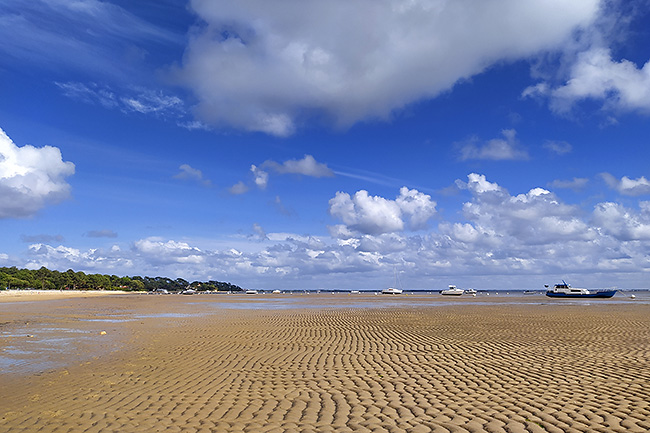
x=498, y=144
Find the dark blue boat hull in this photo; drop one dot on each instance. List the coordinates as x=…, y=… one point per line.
x=600, y=294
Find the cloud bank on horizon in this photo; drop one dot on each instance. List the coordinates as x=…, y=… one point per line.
x=269, y=77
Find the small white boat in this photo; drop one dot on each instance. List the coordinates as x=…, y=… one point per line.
x=188, y=292
x=470, y=292
x=391, y=291
x=452, y=291
x=251, y=292
x=276, y=291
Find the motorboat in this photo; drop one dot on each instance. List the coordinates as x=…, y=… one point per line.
x=251, y=292
x=470, y=292
x=564, y=290
x=392, y=291
x=452, y=290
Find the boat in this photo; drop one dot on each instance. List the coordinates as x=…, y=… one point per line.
x=251, y=292
x=564, y=290
x=276, y=291
x=391, y=291
x=188, y=292
x=470, y=292
x=452, y=290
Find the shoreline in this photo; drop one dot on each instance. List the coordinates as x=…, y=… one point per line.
x=39, y=295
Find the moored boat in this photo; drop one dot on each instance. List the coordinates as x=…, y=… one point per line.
x=452, y=290
x=391, y=291
x=564, y=290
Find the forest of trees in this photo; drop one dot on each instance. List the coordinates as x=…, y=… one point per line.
x=43, y=278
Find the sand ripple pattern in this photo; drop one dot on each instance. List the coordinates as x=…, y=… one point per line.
x=515, y=369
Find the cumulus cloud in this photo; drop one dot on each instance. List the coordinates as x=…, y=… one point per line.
x=627, y=186
x=622, y=223
x=159, y=251
x=256, y=67
x=537, y=216
x=595, y=75
x=189, y=173
x=30, y=178
x=261, y=177
x=368, y=214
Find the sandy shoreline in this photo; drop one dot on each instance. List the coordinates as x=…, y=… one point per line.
x=38, y=295
x=174, y=363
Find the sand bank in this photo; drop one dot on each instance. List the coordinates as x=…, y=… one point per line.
x=186, y=364
x=36, y=295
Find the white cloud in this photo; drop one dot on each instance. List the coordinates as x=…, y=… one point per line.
x=621, y=85
x=308, y=166
x=159, y=252
x=558, y=147
x=624, y=224
x=140, y=100
x=189, y=173
x=537, y=216
x=261, y=176
x=495, y=149
x=627, y=186
x=238, y=188
x=89, y=36
x=30, y=178
x=375, y=215
x=257, y=67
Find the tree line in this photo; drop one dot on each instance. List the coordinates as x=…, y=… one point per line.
x=43, y=278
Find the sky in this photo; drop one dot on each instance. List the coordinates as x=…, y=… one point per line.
x=301, y=144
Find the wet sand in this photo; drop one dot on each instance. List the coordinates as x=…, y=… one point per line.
x=190, y=364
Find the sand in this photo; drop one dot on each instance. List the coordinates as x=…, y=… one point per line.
x=187, y=364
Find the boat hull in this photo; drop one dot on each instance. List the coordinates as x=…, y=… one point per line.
x=599, y=294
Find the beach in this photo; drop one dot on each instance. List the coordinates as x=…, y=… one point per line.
x=323, y=363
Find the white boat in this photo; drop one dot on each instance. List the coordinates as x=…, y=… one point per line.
x=565, y=290
x=276, y=291
x=391, y=291
x=251, y=292
x=452, y=290
x=470, y=292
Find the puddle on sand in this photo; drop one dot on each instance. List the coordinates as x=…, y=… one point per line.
x=33, y=348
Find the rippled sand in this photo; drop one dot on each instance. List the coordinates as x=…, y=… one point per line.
x=185, y=364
